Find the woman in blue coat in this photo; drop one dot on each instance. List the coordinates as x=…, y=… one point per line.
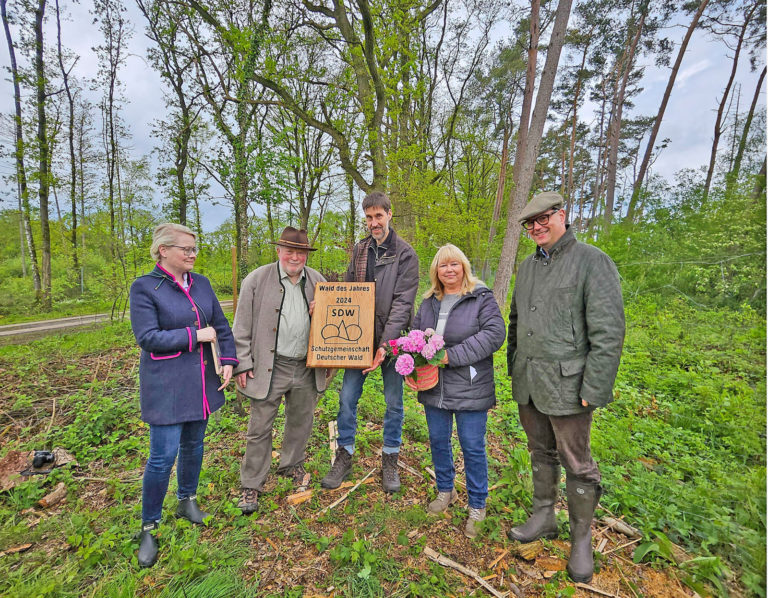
x=175, y=317
x=463, y=310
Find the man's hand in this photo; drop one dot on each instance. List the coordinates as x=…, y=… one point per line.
x=241, y=380
x=584, y=403
x=226, y=376
x=377, y=359
x=311, y=307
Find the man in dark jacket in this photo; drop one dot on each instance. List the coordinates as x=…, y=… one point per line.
x=386, y=259
x=566, y=331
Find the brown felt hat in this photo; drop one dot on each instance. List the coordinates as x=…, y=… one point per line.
x=293, y=238
x=540, y=204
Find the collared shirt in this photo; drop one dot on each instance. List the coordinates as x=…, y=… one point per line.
x=375, y=251
x=293, y=333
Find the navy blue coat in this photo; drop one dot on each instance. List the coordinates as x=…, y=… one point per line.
x=177, y=376
x=474, y=331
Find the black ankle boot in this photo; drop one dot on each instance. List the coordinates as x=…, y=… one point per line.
x=147, y=544
x=189, y=510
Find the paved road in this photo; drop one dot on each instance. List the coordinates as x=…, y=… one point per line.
x=44, y=327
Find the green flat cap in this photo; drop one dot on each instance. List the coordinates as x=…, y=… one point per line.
x=541, y=203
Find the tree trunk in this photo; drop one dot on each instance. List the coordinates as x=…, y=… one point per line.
x=733, y=176
x=42, y=140
x=21, y=173
x=721, y=107
x=623, y=71
x=71, y=139
x=664, y=100
x=499, y=196
x=525, y=161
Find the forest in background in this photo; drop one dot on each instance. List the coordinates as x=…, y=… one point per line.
x=288, y=113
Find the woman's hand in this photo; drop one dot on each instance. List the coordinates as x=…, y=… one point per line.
x=241, y=378
x=444, y=360
x=226, y=376
x=207, y=335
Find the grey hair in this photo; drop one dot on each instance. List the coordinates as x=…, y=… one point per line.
x=165, y=234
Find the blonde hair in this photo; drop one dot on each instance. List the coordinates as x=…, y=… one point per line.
x=165, y=234
x=444, y=254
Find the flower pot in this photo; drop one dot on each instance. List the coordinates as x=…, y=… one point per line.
x=423, y=377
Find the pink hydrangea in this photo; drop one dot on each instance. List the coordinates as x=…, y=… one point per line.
x=429, y=332
x=416, y=337
x=404, y=364
x=428, y=351
x=437, y=342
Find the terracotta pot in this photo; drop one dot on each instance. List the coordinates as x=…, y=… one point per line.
x=423, y=377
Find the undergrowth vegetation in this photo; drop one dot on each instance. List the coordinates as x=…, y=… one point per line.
x=682, y=451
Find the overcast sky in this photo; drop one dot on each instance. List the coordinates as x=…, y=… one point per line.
x=688, y=122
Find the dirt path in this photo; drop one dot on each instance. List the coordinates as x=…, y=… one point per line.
x=29, y=330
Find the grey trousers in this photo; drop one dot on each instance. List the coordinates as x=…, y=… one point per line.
x=292, y=379
x=561, y=439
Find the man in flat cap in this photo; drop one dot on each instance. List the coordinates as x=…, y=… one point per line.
x=566, y=331
x=271, y=331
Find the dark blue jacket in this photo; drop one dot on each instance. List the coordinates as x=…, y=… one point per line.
x=474, y=331
x=177, y=376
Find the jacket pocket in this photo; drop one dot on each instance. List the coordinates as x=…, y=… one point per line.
x=572, y=374
x=160, y=357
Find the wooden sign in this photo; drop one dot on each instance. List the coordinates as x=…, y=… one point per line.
x=341, y=333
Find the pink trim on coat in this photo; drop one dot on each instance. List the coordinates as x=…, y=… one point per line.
x=156, y=358
x=206, y=406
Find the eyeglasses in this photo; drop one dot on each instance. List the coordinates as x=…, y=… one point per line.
x=187, y=250
x=542, y=219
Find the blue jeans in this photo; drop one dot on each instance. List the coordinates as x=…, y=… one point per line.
x=471, y=428
x=352, y=388
x=165, y=442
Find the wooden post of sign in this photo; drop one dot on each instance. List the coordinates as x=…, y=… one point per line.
x=341, y=331
x=234, y=280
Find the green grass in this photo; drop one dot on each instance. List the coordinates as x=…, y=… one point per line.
x=682, y=451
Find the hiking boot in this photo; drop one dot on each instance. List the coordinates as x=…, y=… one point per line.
x=147, y=555
x=298, y=474
x=249, y=501
x=341, y=468
x=390, y=477
x=188, y=509
x=582, y=501
x=443, y=501
x=542, y=522
x=475, y=517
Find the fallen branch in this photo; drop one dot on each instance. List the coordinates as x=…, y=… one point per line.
x=333, y=433
x=346, y=494
x=446, y=562
x=55, y=497
x=53, y=416
x=303, y=496
x=584, y=586
x=635, y=541
x=498, y=558
x=16, y=549
x=409, y=469
x=620, y=526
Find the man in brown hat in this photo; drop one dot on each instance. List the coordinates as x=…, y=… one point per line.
x=566, y=331
x=271, y=335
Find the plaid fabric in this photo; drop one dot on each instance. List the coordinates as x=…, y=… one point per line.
x=361, y=259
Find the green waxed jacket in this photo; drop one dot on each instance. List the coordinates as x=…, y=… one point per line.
x=566, y=328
